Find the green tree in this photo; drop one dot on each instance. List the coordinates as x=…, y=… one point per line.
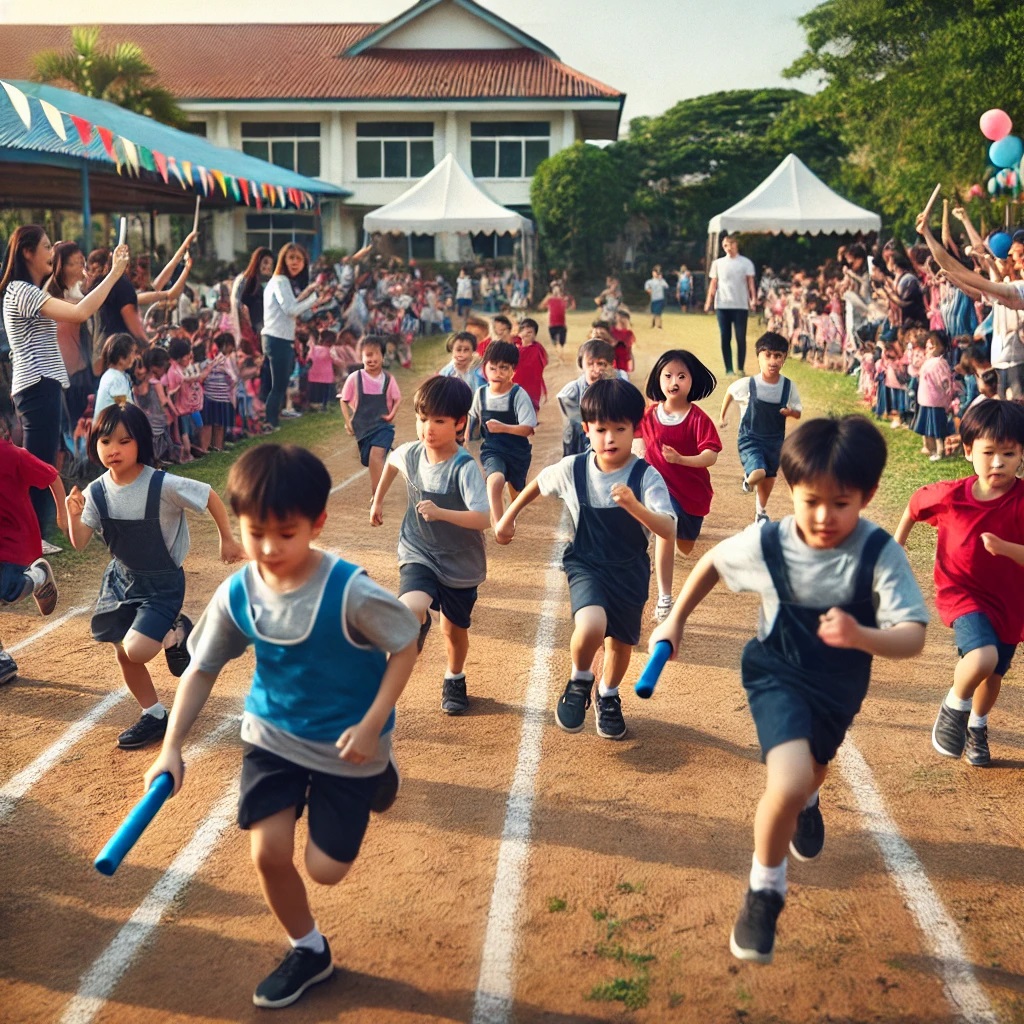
x=905, y=83
x=119, y=74
x=579, y=200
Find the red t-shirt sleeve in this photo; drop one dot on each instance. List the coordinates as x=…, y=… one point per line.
x=705, y=433
x=33, y=471
x=928, y=502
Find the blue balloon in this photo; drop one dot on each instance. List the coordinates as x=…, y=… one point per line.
x=1006, y=152
x=999, y=244
x=993, y=186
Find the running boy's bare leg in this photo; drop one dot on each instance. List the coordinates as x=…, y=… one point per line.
x=665, y=565
x=272, y=846
x=986, y=694
x=496, y=496
x=587, y=636
x=457, y=643
x=616, y=661
x=137, y=678
x=764, y=490
x=376, y=460
x=974, y=669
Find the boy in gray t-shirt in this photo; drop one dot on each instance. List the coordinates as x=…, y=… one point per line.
x=441, y=554
x=835, y=590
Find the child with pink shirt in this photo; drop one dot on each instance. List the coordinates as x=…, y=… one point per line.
x=321, y=372
x=934, y=397
x=892, y=376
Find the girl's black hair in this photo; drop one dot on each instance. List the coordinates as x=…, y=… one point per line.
x=612, y=401
x=372, y=341
x=939, y=337
x=771, y=341
x=849, y=450
x=178, y=348
x=703, y=381
x=443, y=396
x=993, y=420
x=134, y=420
x=501, y=352
x=116, y=348
x=279, y=480
x=155, y=356
x=595, y=348
x=461, y=336
x=529, y=322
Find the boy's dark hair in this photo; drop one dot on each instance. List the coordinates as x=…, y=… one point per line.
x=612, y=401
x=993, y=420
x=595, y=348
x=190, y=324
x=178, y=348
x=116, y=348
x=279, y=480
x=156, y=356
x=460, y=336
x=502, y=319
x=443, y=396
x=134, y=421
x=199, y=351
x=371, y=341
x=978, y=352
x=703, y=381
x=771, y=341
x=624, y=313
x=847, y=449
x=224, y=340
x=501, y=352
x=990, y=378
x=529, y=322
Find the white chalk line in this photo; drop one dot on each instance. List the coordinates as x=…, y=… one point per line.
x=495, y=989
x=48, y=628
x=941, y=935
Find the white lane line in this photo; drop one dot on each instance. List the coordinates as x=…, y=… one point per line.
x=495, y=988
x=363, y=473
x=48, y=628
x=941, y=935
x=114, y=961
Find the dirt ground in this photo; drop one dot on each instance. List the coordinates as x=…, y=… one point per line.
x=638, y=853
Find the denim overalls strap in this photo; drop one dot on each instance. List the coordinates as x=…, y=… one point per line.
x=762, y=418
x=370, y=409
x=511, y=443
x=137, y=543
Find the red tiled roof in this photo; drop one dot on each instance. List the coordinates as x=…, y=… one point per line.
x=236, y=62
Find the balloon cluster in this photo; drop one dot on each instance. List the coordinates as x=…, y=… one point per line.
x=1004, y=153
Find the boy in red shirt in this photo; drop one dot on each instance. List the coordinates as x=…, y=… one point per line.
x=532, y=360
x=624, y=339
x=979, y=570
x=23, y=570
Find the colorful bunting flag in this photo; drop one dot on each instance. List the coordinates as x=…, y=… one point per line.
x=107, y=138
x=218, y=176
x=83, y=127
x=20, y=103
x=161, y=165
x=56, y=119
x=235, y=191
x=146, y=158
x=186, y=169
x=131, y=154
x=245, y=189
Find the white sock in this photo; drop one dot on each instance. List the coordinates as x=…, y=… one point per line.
x=581, y=673
x=607, y=691
x=455, y=677
x=954, y=702
x=812, y=800
x=768, y=878
x=977, y=721
x=313, y=941
x=36, y=574
x=157, y=710
x=664, y=599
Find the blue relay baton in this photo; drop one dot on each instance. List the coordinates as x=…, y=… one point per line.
x=652, y=670
x=134, y=825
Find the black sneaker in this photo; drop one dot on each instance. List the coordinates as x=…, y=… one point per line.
x=454, y=700
x=178, y=656
x=809, y=838
x=949, y=734
x=424, y=630
x=608, y=715
x=8, y=668
x=571, y=712
x=977, y=746
x=148, y=729
x=753, y=934
x=300, y=969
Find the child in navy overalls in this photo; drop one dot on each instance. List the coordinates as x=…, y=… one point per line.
x=835, y=590
x=616, y=502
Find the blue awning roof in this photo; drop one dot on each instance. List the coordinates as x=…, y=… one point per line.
x=41, y=139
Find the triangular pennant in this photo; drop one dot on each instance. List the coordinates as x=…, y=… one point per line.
x=218, y=176
x=131, y=154
x=235, y=191
x=186, y=169
x=20, y=103
x=56, y=119
x=83, y=127
x=146, y=158
x=172, y=166
x=107, y=138
x=244, y=185
x=257, y=199
x=280, y=192
x=161, y=165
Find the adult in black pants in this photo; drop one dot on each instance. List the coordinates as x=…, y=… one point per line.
x=733, y=296
x=31, y=316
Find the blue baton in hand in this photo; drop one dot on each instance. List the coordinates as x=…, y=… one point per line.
x=134, y=825
x=652, y=670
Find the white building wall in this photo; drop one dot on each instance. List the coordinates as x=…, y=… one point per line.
x=448, y=27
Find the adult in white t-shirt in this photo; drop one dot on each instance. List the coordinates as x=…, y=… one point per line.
x=733, y=295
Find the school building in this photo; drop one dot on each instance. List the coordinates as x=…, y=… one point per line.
x=369, y=107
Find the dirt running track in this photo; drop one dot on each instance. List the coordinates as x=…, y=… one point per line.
x=637, y=851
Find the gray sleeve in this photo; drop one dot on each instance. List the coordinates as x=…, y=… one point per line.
x=471, y=487
x=898, y=595
x=740, y=563
x=91, y=514
x=398, y=458
x=375, y=616
x=556, y=481
x=655, y=492
x=182, y=492
x=216, y=639
x=794, y=397
x=524, y=409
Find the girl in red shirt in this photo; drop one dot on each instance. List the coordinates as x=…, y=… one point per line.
x=680, y=441
x=532, y=360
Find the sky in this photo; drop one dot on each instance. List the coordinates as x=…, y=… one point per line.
x=658, y=53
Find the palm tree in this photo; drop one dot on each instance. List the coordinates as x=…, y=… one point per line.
x=120, y=75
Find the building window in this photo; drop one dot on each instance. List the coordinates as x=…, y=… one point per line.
x=295, y=146
x=196, y=128
x=276, y=229
x=495, y=246
x=394, y=149
x=508, y=149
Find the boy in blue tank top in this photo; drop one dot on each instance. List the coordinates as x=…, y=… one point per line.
x=766, y=402
x=333, y=654
x=616, y=502
x=835, y=590
x=441, y=553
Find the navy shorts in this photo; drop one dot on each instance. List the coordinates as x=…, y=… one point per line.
x=152, y=615
x=463, y=306
x=588, y=589
x=687, y=526
x=758, y=455
x=454, y=603
x=657, y=307
x=14, y=584
x=974, y=630
x=513, y=468
x=339, y=805
x=380, y=437
x=557, y=334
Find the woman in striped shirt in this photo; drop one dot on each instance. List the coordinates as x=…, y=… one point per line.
x=30, y=318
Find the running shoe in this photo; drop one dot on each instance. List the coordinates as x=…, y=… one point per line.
x=571, y=712
x=44, y=594
x=753, y=934
x=454, y=700
x=809, y=838
x=177, y=656
x=299, y=970
x=8, y=668
x=608, y=713
x=978, y=753
x=147, y=730
x=949, y=734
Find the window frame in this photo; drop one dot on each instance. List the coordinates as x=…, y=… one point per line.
x=384, y=138
x=490, y=132
x=275, y=133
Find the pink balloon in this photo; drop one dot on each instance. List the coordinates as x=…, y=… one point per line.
x=995, y=124
x=976, y=191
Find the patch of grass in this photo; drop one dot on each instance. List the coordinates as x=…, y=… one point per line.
x=599, y=913
x=633, y=993
x=744, y=995
x=675, y=999
x=629, y=887
x=618, y=953
x=556, y=904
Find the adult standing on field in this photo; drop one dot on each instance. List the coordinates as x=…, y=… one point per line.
x=733, y=295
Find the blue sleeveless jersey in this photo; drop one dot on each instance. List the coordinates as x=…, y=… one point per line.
x=319, y=685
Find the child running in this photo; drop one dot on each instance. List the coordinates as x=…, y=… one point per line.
x=835, y=590
x=23, y=570
x=506, y=420
x=369, y=400
x=979, y=570
x=679, y=440
x=462, y=347
x=616, y=502
x=533, y=359
x=140, y=514
x=441, y=554
x=765, y=402
x=596, y=358
x=333, y=654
